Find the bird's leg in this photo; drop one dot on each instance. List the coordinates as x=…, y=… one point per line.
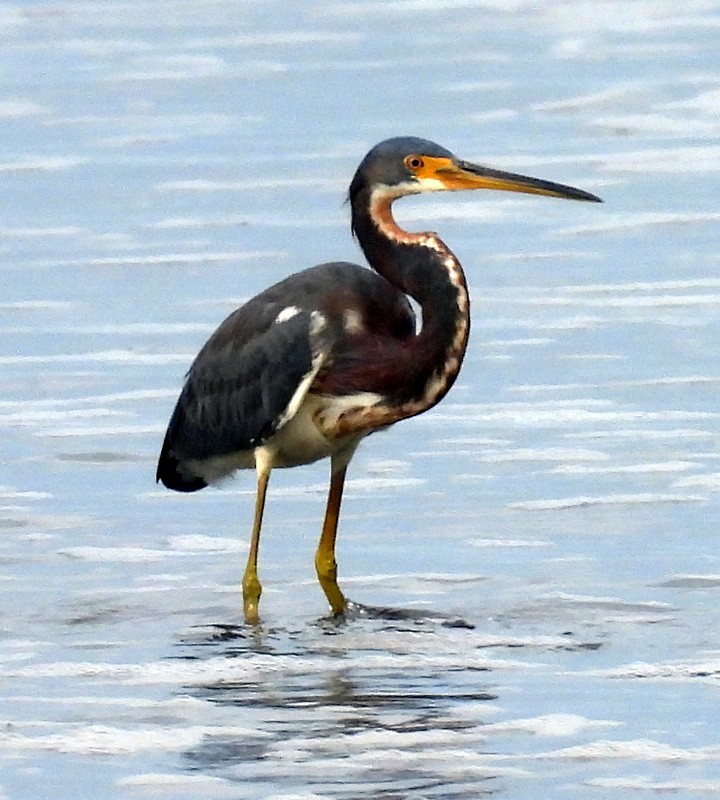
x=325, y=565
x=251, y=583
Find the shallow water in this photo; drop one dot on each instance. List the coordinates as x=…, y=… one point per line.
x=545, y=540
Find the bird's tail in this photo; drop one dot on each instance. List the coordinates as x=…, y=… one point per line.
x=171, y=474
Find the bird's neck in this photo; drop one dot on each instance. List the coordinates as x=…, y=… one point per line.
x=423, y=267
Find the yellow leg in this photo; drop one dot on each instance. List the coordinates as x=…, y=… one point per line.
x=325, y=564
x=251, y=583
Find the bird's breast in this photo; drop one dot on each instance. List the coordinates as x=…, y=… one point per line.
x=310, y=434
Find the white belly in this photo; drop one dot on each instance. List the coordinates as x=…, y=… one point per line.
x=298, y=442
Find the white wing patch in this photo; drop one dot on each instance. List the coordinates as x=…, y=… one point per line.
x=286, y=314
x=317, y=325
x=353, y=321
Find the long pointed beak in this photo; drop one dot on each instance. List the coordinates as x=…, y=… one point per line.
x=464, y=175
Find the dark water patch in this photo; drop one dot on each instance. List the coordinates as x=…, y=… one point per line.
x=691, y=582
x=581, y=647
x=358, y=611
x=9, y=523
x=101, y=616
x=564, y=642
x=221, y=751
x=101, y=457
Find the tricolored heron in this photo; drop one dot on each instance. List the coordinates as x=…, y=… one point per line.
x=311, y=366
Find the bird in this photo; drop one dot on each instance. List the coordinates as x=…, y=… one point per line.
x=312, y=365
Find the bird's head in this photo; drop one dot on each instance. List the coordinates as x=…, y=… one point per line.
x=408, y=165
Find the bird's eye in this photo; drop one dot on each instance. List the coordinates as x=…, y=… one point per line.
x=413, y=162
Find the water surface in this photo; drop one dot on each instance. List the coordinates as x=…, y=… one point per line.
x=546, y=537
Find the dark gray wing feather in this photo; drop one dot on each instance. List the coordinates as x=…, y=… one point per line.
x=239, y=387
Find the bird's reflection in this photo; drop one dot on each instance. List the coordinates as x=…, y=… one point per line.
x=371, y=705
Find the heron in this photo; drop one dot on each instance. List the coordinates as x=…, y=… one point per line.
x=312, y=365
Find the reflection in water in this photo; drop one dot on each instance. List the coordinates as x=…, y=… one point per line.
x=335, y=714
